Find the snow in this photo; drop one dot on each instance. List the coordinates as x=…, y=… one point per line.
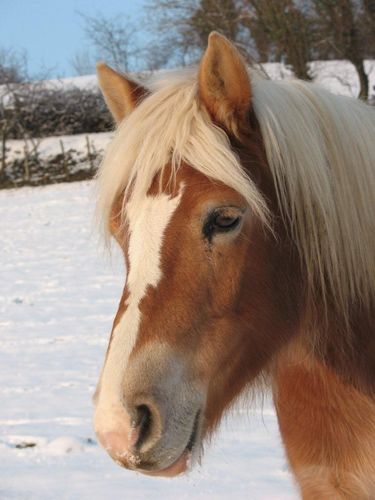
x=81, y=82
x=49, y=147
x=339, y=77
x=58, y=295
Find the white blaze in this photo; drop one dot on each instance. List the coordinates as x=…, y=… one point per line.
x=147, y=219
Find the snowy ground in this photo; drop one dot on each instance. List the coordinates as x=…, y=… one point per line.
x=58, y=295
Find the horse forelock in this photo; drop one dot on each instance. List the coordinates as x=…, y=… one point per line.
x=170, y=127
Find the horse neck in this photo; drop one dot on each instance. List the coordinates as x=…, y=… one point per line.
x=346, y=346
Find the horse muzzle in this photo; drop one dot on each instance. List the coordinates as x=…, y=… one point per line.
x=154, y=425
x=148, y=441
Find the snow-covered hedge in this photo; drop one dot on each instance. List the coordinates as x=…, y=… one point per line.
x=33, y=110
x=52, y=159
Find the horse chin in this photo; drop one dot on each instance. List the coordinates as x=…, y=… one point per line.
x=183, y=462
x=179, y=466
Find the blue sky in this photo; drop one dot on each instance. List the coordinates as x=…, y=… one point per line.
x=52, y=31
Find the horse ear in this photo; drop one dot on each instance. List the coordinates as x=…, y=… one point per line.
x=224, y=84
x=120, y=93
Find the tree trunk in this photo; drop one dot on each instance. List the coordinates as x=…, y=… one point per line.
x=363, y=80
x=3, y=151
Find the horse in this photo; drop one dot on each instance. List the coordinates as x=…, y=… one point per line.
x=244, y=209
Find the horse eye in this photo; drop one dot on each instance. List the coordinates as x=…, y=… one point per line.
x=226, y=222
x=221, y=221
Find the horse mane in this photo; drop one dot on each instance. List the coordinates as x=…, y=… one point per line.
x=321, y=152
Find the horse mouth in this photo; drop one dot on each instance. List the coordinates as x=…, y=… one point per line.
x=180, y=465
x=194, y=433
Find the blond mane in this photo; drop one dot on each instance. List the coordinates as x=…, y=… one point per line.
x=321, y=152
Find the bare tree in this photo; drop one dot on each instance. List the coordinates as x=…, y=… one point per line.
x=82, y=63
x=282, y=31
x=347, y=31
x=219, y=15
x=13, y=71
x=261, y=29
x=174, y=42
x=182, y=27
x=114, y=39
x=13, y=66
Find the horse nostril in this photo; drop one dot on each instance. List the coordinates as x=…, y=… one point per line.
x=144, y=423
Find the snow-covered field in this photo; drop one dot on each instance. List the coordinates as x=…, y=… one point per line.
x=58, y=295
